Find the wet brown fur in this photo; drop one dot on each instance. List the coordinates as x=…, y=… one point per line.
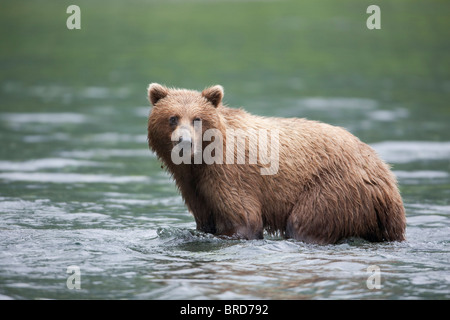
x=329, y=186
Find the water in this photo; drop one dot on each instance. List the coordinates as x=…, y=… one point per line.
x=79, y=187
x=100, y=201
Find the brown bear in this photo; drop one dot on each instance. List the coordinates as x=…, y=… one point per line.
x=326, y=186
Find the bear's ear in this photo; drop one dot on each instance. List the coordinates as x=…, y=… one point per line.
x=214, y=95
x=156, y=92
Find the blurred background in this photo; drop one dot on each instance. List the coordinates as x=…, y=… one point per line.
x=78, y=185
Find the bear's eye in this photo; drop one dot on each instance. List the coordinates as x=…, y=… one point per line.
x=173, y=120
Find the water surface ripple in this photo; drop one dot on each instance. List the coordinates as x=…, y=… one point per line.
x=98, y=199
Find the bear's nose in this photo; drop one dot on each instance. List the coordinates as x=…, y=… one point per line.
x=185, y=139
x=181, y=135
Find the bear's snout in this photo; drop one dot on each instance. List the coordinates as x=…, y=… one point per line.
x=183, y=142
x=184, y=139
x=182, y=135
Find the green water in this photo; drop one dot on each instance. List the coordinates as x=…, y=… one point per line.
x=79, y=187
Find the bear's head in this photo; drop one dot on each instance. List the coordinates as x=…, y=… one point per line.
x=180, y=117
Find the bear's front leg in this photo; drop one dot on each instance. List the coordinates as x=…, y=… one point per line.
x=240, y=224
x=228, y=203
x=240, y=219
x=242, y=233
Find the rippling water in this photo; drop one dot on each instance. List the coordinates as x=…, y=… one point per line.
x=97, y=199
